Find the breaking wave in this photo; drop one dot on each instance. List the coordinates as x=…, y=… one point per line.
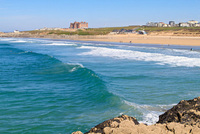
x=150, y=113
x=158, y=58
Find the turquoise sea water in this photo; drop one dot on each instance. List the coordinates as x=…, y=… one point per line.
x=51, y=86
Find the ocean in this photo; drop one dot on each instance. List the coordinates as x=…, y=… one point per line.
x=62, y=86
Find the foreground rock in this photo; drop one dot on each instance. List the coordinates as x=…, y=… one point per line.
x=184, y=118
x=122, y=123
x=184, y=112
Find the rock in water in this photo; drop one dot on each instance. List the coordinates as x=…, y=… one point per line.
x=185, y=112
x=122, y=123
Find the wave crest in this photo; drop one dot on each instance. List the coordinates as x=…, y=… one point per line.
x=161, y=59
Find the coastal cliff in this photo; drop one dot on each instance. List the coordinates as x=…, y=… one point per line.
x=183, y=118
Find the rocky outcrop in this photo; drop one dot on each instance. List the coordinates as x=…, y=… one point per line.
x=184, y=118
x=122, y=122
x=129, y=127
x=184, y=112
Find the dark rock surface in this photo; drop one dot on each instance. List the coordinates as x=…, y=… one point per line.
x=186, y=111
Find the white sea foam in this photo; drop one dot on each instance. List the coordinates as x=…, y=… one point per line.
x=6, y=39
x=19, y=41
x=161, y=59
x=76, y=64
x=13, y=40
x=150, y=113
x=61, y=44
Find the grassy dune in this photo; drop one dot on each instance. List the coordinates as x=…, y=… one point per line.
x=89, y=31
x=107, y=30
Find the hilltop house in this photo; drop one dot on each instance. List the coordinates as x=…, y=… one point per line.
x=197, y=25
x=191, y=23
x=172, y=23
x=184, y=24
x=78, y=25
x=16, y=31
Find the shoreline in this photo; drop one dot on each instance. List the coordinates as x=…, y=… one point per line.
x=122, y=38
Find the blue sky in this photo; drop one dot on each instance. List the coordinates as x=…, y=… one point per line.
x=34, y=14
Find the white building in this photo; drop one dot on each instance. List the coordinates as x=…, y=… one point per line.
x=184, y=24
x=16, y=31
x=152, y=24
x=197, y=25
x=192, y=22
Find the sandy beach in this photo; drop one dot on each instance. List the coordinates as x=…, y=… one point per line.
x=123, y=38
x=146, y=39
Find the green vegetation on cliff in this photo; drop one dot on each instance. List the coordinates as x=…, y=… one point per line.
x=107, y=30
x=157, y=29
x=89, y=31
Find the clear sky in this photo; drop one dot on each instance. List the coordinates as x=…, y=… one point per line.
x=34, y=14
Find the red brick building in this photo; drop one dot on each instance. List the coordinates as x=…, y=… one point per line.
x=79, y=25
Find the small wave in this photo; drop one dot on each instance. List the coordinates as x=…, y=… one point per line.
x=61, y=44
x=14, y=40
x=76, y=66
x=60, y=68
x=6, y=39
x=19, y=41
x=161, y=59
x=150, y=113
x=24, y=52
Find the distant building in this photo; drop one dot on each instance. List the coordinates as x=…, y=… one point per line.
x=172, y=23
x=152, y=24
x=16, y=31
x=78, y=25
x=166, y=25
x=192, y=22
x=156, y=24
x=197, y=25
x=161, y=24
x=184, y=24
